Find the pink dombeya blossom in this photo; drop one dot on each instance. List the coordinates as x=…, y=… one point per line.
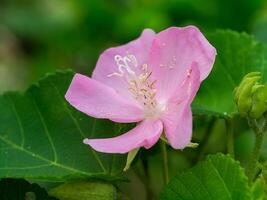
x=152, y=81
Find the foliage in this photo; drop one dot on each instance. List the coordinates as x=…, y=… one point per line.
x=218, y=177
x=41, y=136
x=237, y=55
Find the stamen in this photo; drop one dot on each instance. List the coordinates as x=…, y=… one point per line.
x=139, y=85
x=124, y=64
x=115, y=74
x=145, y=67
x=148, y=76
x=152, y=84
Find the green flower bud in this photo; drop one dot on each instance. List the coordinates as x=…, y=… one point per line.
x=243, y=82
x=259, y=104
x=251, y=97
x=243, y=93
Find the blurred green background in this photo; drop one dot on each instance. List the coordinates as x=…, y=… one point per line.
x=42, y=36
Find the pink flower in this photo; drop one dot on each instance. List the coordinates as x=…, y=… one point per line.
x=151, y=80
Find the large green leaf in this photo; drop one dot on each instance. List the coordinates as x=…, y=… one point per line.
x=237, y=55
x=41, y=136
x=219, y=177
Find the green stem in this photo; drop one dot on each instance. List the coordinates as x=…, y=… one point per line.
x=165, y=162
x=146, y=181
x=251, y=171
x=230, y=136
x=204, y=142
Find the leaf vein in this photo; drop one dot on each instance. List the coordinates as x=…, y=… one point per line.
x=47, y=133
x=15, y=146
x=22, y=132
x=222, y=181
x=78, y=126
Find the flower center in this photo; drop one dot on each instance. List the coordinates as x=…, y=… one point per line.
x=139, y=85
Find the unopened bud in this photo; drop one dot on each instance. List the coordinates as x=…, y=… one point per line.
x=259, y=102
x=243, y=93
x=251, y=97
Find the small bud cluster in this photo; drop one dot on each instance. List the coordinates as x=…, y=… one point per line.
x=251, y=96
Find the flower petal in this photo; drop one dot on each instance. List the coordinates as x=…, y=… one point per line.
x=178, y=126
x=100, y=101
x=106, y=65
x=177, y=119
x=173, y=52
x=145, y=134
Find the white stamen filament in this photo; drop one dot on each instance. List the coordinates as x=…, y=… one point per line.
x=124, y=63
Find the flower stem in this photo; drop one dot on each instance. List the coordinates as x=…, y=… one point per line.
x=230, y=136
x=257, y=148
x=204, y=142
x=165, y=162
x=146, y=181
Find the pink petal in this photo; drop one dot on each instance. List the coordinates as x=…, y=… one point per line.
x=178, y=126
x=173, y=52
x=178, y=118
x=106, y=64
x=145, y=134
x=100, y=101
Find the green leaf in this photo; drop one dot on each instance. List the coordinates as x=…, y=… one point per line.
x=237, y=55
x=206, y=111
x=21, y=189
x=218, y=177
x=83, y=190
x=41, y=136
x=258, y=189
